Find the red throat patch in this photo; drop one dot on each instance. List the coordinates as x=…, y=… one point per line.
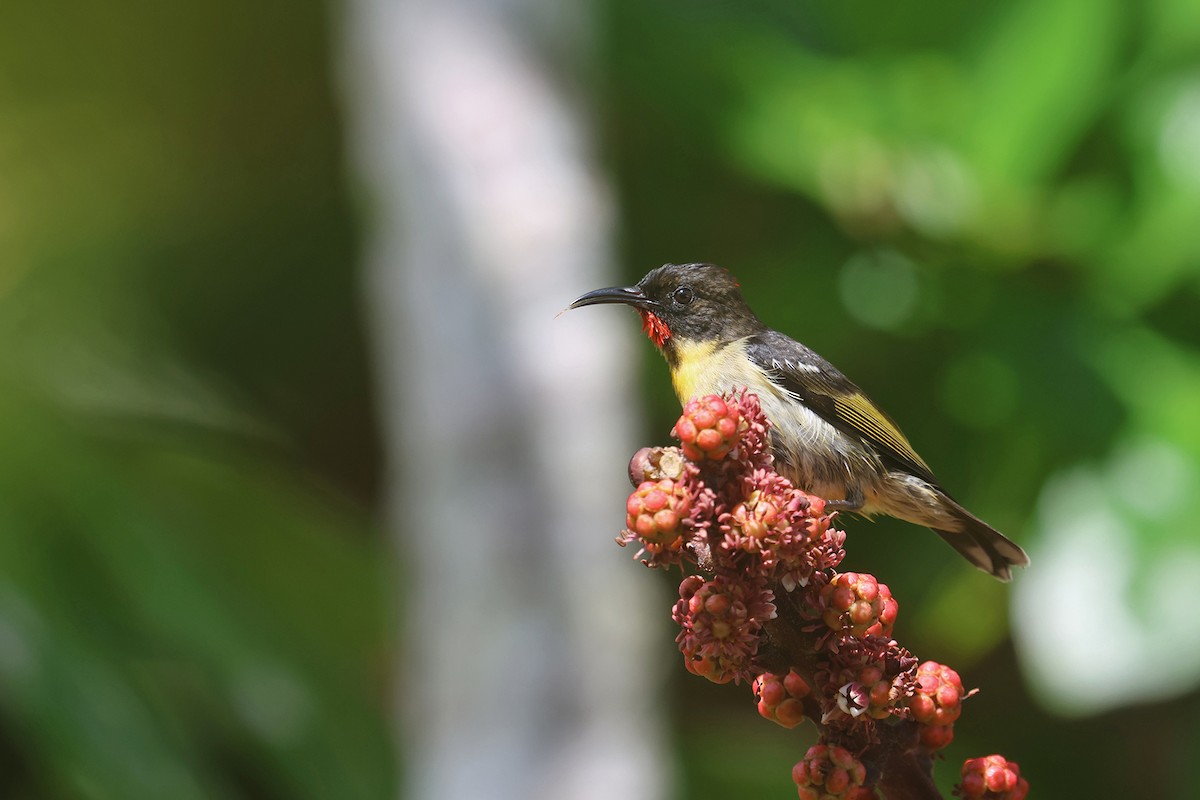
x=655, y=328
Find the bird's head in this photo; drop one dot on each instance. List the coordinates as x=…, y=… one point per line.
x=684, y=303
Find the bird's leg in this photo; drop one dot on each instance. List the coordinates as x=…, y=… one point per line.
x=853, y=502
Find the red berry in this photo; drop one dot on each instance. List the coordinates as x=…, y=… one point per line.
x=857, y=603
x=795, y=685
x=709, y=428
x=789, y=713
x=935, y=737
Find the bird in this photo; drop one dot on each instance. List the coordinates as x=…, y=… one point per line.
x=827, y=437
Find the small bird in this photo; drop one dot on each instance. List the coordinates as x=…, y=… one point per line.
x=827, y=437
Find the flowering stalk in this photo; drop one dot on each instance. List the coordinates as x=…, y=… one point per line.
x=762, y=601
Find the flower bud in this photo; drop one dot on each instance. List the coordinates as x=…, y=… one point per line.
x=656, y=510
x=992, y=778
x=936, y=703
x=859, y=604
x=781, y=699
x=709, y=428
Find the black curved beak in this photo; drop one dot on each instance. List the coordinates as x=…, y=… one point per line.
x=625, y=295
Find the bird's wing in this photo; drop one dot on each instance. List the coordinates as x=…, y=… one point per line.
x=832, y=396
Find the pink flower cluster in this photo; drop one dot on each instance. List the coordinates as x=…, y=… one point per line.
x=936, y=703
x=762, y=601
x=720, y=620
x=829, y=772
x=992, y=778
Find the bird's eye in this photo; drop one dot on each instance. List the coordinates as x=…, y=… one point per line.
x=683, y=295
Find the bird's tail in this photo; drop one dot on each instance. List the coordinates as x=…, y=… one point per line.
x=983, y=545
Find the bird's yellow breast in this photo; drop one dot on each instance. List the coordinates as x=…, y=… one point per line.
x=702, y=368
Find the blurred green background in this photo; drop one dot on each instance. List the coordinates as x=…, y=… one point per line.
x=987, y=214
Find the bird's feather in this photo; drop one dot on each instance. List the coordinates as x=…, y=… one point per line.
x=835, y=398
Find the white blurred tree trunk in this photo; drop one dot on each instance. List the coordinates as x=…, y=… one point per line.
x=525, y=671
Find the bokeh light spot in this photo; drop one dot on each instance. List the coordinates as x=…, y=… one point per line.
x=879, y=288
